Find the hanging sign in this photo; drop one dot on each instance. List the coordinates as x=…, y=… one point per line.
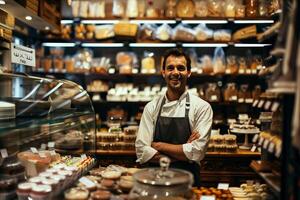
x=22, y=55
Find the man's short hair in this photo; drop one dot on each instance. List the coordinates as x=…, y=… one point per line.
x=177, y=53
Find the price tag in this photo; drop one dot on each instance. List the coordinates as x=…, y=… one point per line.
x=267, y=105
x=223, y=186
x=261, y=140
x=42, y=155
x=43, y=146
x=51, y=144
x=52, y=153
x=248, y=71
x=241, y=71
x=83, y=156
x=22, y=55
x=278, y=152
x=214, y=97
x=271, y=147
x=253, y=148
x=266, y=143
x=4, y=153
x=249, y=100
x=34, y=150
x=241, y=100
x=275, y=106
x=111, y=70
x=261, y=103
x=208, y=197
x=87, y=182
x=254, y=71
x=233, y=98
x=255, y=138
x=255, y=103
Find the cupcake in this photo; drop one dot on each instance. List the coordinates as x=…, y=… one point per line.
x=24, y=190
x=76, y=194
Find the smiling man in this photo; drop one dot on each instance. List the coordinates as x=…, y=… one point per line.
x=176, y=124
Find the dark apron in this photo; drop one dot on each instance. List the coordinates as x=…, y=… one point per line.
x=176, y=130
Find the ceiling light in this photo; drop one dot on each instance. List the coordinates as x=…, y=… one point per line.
x=29, y=18
x=2, y=2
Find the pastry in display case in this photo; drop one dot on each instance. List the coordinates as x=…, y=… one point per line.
x=51, y=118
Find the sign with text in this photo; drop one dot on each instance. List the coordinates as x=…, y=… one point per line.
x=22, y=55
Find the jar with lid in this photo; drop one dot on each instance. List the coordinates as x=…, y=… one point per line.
x=232, y=66
x=242, y=65
x=231, y=92
x=263, y=8
x=161, y=183
x=244, y=95
x=213, y=93
x=251, y=8
x=171, y=9
x=256, y=92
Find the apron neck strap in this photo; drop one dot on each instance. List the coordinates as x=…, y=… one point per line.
x=187, y=105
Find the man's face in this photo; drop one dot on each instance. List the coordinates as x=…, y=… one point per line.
x=176, y=73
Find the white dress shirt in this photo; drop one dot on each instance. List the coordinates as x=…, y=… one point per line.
x=200, y=118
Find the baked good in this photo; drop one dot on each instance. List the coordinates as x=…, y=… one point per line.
x=101, y=195
x=111, y=174
x=41, y=192
x=76, y=194
x=185, y=8
x=126, y=183
x=183, y=33
x=107, y=183
x=131, y=171
x=24, y=190
x=147, y=32
x=230, y=139
x=104, y=31
x=97, y=172
x=125, y=29
x=163, y=32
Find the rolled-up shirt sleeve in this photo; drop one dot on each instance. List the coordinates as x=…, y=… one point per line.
x=195, y=151
x=144, y=151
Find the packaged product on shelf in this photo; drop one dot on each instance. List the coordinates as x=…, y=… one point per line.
x=118, y=8
x=215, y=8
x=47, y=64
x=147, y=32
x=185, y=8
x=240, y=10
x=97, y=9
x=256, y=92
x=213, y=93
x=206, y=64
x=126, y=61
x=163, y=32
x=232, y=66
x=244, y=95
x=247, y=32
x=126, y=29
x=171, y=9
x=58, y=64
x=80, y=31
x=90, y=31
x=222, y=35
x=231, y=92
x=104, y=31
x=274, y=5
x=263, y=8
x=75, y=8
x=83, y=9
x=229, y=9
x=201, y=8
x=148, y=62
x=132, y=8
x=251, y=8
x=183, y=33
x=69, y=64
x=194, y=59
x=151, y=11
x=219, y=63
x=141, y=8
x=66, y=31
x=82, y=60
x=203, y=33
x=242, y=65
x=256, y=63
x=100, y=65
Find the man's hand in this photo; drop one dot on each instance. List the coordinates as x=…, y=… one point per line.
x=194, y=136
x=156, y=145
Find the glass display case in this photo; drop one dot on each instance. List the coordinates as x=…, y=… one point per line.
x=45, y=114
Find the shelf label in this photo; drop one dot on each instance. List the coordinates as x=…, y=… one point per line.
x=87, y=182
x=271, y=147
x=22, y=55
x=83, y=156
x=241, y=100
x=255, y=138
x=261, y=140
x=233, y=98
x=4, y=153
x=51, y=144
x=241, y=71
x=34, y=150
x=253, y=148
x=111, y=70
x=261, y=103
x=254, y=71
x=266, y=143
x=223, y=186
x=275, y=106
x=248, y=71
x=213, y=97
x=249, y=100
x=208, y=197
x=255, y=103
x=43, y=146
x=267, y=105
x=135, y=71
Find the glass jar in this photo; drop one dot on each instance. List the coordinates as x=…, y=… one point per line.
x=161, y=183
x=242, y=65
x=240, y=11
x=251, y=8
x=229, y=9
x=171, y=9
x=256, y=92
x=244, y=94
x=263, y=8
x=213, y=93
x=232, y=66
x=231, y=93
